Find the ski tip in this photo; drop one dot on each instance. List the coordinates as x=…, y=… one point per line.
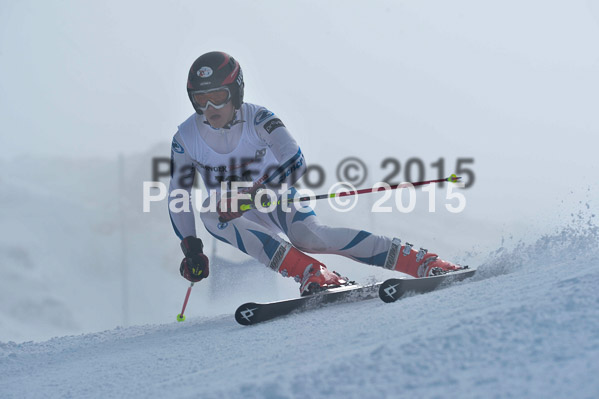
x=246, y=313
x=389, y=290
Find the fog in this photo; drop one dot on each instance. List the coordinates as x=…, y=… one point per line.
x=93, y=79
x=512, y=86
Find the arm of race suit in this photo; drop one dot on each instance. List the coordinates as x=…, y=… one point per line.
x=182, y=178
x=292, y=164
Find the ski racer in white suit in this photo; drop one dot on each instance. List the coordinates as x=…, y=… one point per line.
x=227, y=140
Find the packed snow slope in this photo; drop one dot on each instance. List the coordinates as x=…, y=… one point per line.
x=526, y=326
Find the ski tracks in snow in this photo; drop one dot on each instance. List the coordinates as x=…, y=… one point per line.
x=528, y=328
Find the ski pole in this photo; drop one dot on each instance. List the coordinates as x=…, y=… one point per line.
x=453, y=179
x=181, y=316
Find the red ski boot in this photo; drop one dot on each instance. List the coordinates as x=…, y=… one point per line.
x=312, y=275
x=420, y=263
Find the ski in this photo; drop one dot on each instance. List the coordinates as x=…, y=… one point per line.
x=389, y=291
x=394, y=288
x=253, y=313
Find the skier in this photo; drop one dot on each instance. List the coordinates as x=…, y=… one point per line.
x=228, y=140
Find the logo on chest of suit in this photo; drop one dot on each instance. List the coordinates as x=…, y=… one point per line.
x=260, y=154
x=237, y=170
x=233, y=163
x=209, y=168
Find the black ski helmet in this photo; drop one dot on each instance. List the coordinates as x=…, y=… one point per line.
x=213, y=70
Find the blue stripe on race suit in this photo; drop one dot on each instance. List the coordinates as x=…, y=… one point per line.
x=273, y=220
x=219, y=237
x=299, y=216
x=172, y=163
x=175, y=227
x=357, y=239
x=281, y=169
x=281, y=215
x=376, y=260
x=239, y=240
x=270, y=245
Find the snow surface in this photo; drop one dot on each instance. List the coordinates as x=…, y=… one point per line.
x=509, y=84
x=527, y=325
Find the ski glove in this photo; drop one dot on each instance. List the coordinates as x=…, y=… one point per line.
x=194, y=267
x=227, y=211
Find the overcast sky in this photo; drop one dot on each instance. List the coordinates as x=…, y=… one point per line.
x=96, y=78
x=512, y=85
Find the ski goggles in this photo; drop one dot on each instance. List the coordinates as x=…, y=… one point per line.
x=216, y=98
